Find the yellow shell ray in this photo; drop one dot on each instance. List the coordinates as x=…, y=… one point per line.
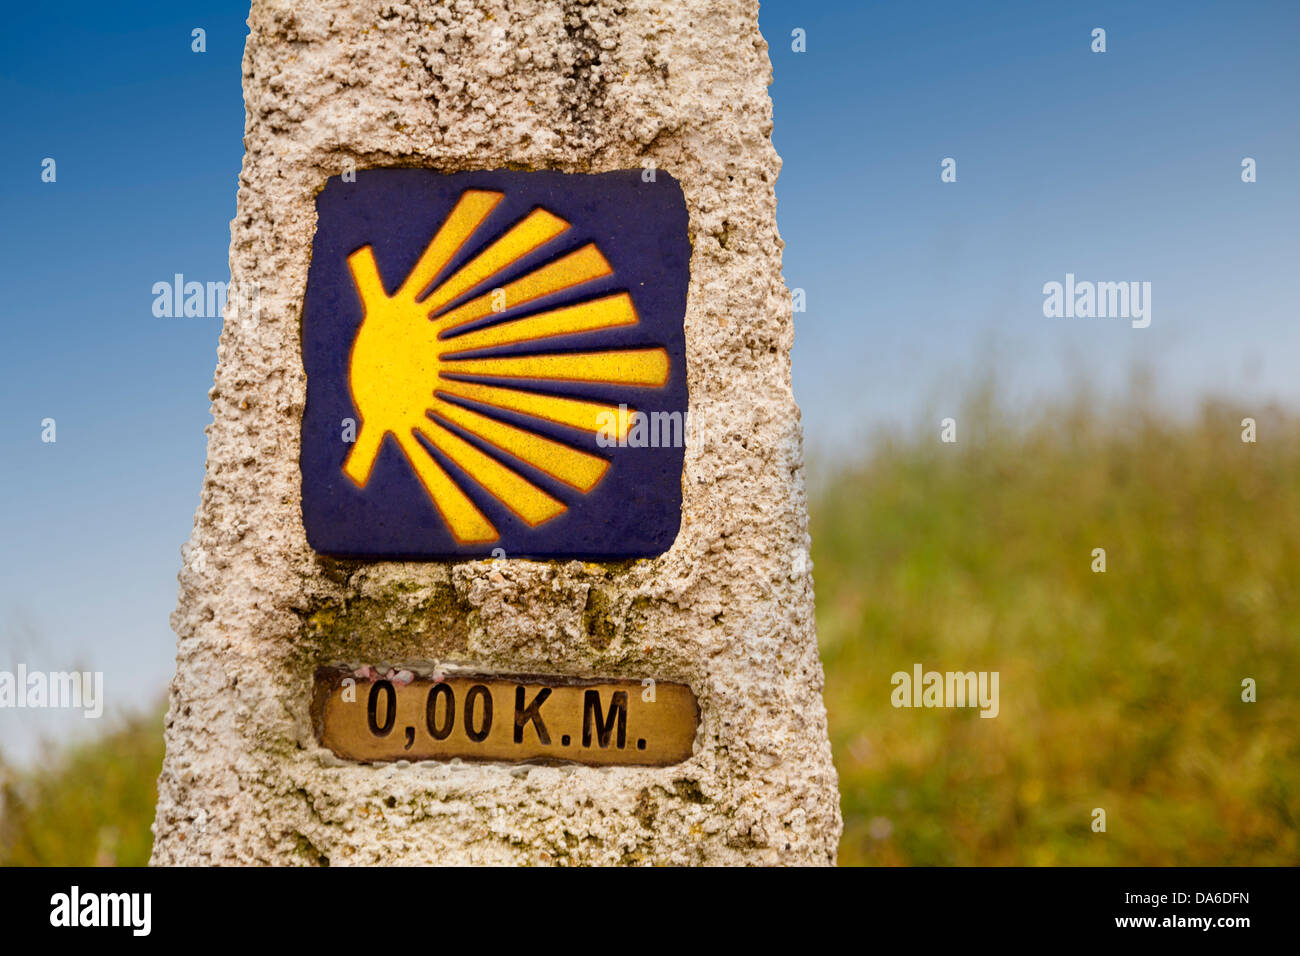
x=472, y=208
x=623, y=367
x=607, y=313
x=574, y=467
x=573, y=412
x=582, y=265
x=535, y=230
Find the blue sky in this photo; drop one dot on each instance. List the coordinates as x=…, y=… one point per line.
x=1116, y=166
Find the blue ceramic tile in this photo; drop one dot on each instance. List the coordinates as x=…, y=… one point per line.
x=494, y=361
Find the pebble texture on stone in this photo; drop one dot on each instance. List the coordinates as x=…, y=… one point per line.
x=484, y=84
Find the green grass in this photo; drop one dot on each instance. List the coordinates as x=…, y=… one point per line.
x=1119, y=690
x=90, y=805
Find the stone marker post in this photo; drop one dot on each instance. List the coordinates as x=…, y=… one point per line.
x=502, y=549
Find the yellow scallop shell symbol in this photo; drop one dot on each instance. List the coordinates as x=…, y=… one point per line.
x=408, y=360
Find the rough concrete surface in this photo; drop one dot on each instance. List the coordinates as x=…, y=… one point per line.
x=482, y=84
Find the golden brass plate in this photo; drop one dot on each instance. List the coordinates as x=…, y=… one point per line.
x=514, y=718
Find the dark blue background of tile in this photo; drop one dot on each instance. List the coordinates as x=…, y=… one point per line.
x=641, y=228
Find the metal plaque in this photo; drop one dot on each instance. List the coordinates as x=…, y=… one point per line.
x=507, y=718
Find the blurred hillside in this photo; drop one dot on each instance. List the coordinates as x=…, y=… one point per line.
x=1119, y=690
x=90, y=804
